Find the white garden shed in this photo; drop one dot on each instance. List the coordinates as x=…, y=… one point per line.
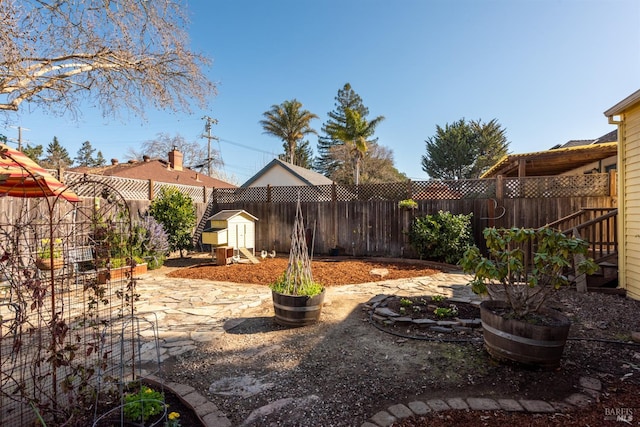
x=231, y=227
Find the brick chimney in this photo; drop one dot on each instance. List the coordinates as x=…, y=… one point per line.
x=175, y=159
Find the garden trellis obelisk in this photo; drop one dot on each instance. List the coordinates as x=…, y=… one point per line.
x=299, y=267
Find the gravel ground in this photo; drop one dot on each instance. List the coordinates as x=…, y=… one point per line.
x=343, y=370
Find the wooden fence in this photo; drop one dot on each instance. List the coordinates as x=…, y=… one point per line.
x=365, y=220
x=378, y=228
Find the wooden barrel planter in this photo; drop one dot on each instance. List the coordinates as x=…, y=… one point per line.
x=297, y=310
x=522, y=342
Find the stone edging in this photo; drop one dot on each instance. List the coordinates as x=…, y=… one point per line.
x=205, y=410
x=380, y=313
x=590, y=392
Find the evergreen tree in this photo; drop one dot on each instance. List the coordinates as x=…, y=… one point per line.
x=303, y=156
x=57, y=156
x=99, y=160
x=85, y=155
x=493, y=145
x=34, y=152
x=347, y=98
x=464, y=150
x=451, y=152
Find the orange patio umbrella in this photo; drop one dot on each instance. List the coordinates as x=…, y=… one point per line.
x=22, y=177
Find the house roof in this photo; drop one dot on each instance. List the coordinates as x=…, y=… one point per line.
x=307, y=176
x=553, y=162
x=227, y=214
x=623, y=105
x=156, y=170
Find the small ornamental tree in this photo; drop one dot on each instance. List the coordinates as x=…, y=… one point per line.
x=177, y=214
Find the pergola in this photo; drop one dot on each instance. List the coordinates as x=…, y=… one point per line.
x=551, y=162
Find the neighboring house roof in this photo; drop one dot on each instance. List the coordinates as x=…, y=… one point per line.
x=297, y=174
x=156, y=170
x=227, y=214
x=609, y=137
x=553, y=162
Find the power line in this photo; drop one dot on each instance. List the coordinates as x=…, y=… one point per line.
x=246, y=146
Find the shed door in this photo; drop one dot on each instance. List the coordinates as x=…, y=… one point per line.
x=241, y=233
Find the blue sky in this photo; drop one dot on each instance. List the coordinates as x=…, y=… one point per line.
x=545, y=69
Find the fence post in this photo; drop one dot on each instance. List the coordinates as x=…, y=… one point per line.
x=334, y=192
x=499, y=187
x=204, y=194
x=268, y=193
x=409, y=189
x=151, y=194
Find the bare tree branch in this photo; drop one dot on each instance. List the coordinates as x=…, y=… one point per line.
x=117, y=53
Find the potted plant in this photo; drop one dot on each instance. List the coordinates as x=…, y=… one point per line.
x=523, y=267
x=297, y=299
x=49, y=255
x=408, y=204
x=120, y=268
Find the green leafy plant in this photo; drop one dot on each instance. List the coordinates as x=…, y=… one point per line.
x=142, y=404
x=405, y=302
x=442, y=236
x=443, y=312
x=525, y=265
x=304, y=286
x=437, y=298
x=408, y=204
x=46, y=252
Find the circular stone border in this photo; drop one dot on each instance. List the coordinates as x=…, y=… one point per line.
x=386, y=319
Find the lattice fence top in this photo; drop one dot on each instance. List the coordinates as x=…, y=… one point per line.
x=557, y=186
x=528, y=187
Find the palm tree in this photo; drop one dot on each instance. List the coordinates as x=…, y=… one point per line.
x=288, y=122
x=354, y=135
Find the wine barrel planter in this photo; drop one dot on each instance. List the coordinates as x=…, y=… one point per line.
x=522, y=342
x=297, y=310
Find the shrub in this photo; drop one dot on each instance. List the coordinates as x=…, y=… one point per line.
x=177, y=214
x=150, y=241
x=442, y=236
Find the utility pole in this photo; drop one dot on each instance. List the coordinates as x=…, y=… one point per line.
x=20, y=129
x=209, y=137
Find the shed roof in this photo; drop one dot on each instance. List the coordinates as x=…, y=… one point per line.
x=227, y=214
x=553, y=162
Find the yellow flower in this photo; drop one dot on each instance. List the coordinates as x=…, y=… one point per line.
x=174, y=416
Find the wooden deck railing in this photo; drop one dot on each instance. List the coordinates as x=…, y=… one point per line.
x=598, y=226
